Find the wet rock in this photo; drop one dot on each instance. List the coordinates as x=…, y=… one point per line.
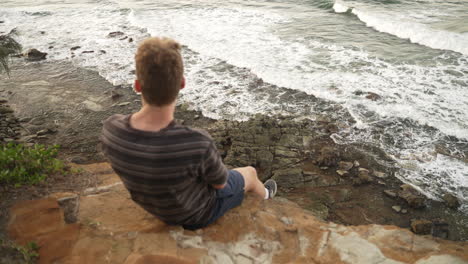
x=356, y=164
x=327, y=157
x=78, y=160
x=346, y=166
x=123, y=104
x=344, y=195
x=379, y=174
x=5, y=109
x=421, y=227
x=396, y=208
x=412, y=196
x=390, y=193
x=364, y=176
x=342, y=172
x=451, y=200
x=34, y=55
x=115, y=34
x=75, y=48
x=373, y=96
x=46, y=131
x=440, y=228
x=290, y=177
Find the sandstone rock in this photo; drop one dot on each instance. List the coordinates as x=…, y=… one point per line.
x=346, y=166
x=451, y=200
x=34, y=55
x=112, y=229
x=421, y=227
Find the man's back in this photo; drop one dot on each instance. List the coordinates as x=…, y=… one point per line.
x=170, y=172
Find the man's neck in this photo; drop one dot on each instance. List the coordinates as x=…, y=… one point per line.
x=153, y=118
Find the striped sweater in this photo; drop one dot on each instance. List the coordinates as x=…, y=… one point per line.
x=169, y=173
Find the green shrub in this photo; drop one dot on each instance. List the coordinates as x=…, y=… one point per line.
x=20, y=164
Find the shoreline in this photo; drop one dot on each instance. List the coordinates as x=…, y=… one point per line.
x=69, y=103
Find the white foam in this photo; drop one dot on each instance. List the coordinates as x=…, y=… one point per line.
x=401, y=26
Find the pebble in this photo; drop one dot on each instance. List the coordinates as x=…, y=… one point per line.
x=123, y=104
x=396, y=208
x=356, y=163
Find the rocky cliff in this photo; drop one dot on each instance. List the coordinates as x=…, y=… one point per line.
x=102, y=225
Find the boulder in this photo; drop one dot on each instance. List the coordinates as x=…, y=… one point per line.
x=346, y=166
x=34, y=55
x=328, y=157
x=412, y=196
x=421, y=227
x=451, y=200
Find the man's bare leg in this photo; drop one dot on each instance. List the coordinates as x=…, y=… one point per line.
x=252, y=183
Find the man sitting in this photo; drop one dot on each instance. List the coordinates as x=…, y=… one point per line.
x=173, y=171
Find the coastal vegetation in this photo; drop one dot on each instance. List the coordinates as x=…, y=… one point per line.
x=28, y=164
x=8, y=46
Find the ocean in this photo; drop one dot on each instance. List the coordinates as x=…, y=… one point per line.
x=393, y=74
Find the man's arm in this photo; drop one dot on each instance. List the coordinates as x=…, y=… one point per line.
x=213, y=170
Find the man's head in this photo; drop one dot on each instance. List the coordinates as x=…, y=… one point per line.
x=159, y=71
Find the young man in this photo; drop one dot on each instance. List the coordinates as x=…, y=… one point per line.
x=172, y=171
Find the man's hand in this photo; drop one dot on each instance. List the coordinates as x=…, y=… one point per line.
x=218, y=186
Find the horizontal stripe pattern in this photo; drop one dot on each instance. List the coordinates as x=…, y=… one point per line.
x=170, y=172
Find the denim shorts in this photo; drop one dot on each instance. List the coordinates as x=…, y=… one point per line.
x=227, y=198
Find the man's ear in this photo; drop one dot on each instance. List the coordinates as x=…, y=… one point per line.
x=137, y=86
x=182, y=84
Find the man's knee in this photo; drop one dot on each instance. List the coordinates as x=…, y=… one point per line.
x=251, y=171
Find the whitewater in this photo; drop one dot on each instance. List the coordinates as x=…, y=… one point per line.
x=413, y=55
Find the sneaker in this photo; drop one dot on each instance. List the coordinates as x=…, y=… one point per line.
x=270, y=185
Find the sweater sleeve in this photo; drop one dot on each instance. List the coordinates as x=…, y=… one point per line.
x=213, y=169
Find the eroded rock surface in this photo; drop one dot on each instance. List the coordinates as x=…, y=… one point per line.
x=112, y=229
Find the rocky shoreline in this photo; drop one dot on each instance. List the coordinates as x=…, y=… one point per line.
x=57, y=103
